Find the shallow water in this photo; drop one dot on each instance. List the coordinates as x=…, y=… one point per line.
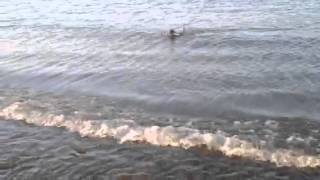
x=93, y=89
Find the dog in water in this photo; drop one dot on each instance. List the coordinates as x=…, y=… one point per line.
x=173, y=34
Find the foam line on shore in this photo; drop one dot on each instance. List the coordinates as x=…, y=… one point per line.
x=183, y=137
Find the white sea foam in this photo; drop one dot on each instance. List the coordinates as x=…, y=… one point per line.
x=272, y=124
x=128, y=130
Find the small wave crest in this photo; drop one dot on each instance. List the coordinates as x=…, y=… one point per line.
x=183, y=137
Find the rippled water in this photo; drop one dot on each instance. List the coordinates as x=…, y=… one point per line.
x=94, y=89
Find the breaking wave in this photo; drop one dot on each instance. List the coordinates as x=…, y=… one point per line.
x=183, y=137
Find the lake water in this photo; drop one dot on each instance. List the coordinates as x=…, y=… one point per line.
x=93, y=89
